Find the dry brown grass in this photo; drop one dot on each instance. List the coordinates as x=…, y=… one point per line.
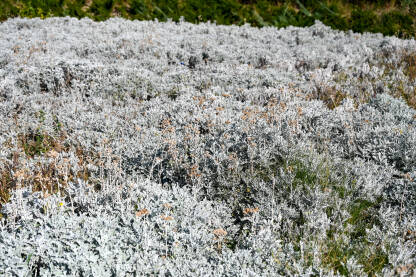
x=47, y=177
x=7, y=183
x=408, y=62
x=331, y=97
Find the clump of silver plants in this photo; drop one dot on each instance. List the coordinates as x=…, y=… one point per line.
x=145, y=148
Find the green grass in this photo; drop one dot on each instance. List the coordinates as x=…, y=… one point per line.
x=348, y=238
x=351, y=240
x=393, y=17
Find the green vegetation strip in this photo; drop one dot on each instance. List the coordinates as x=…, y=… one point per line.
x=389, y=17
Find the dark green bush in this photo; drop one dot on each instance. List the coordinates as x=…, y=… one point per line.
x=394, y=22
x=331, y=16
x=101, y=9
x=369, y=2
x=7, y=10
x=363, y=21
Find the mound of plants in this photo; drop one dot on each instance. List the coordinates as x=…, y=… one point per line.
x=137, y=148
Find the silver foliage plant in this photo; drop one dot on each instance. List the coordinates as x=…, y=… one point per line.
x=211, y=150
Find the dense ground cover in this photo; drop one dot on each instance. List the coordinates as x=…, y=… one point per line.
x=389, y=17
x=143, y=148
